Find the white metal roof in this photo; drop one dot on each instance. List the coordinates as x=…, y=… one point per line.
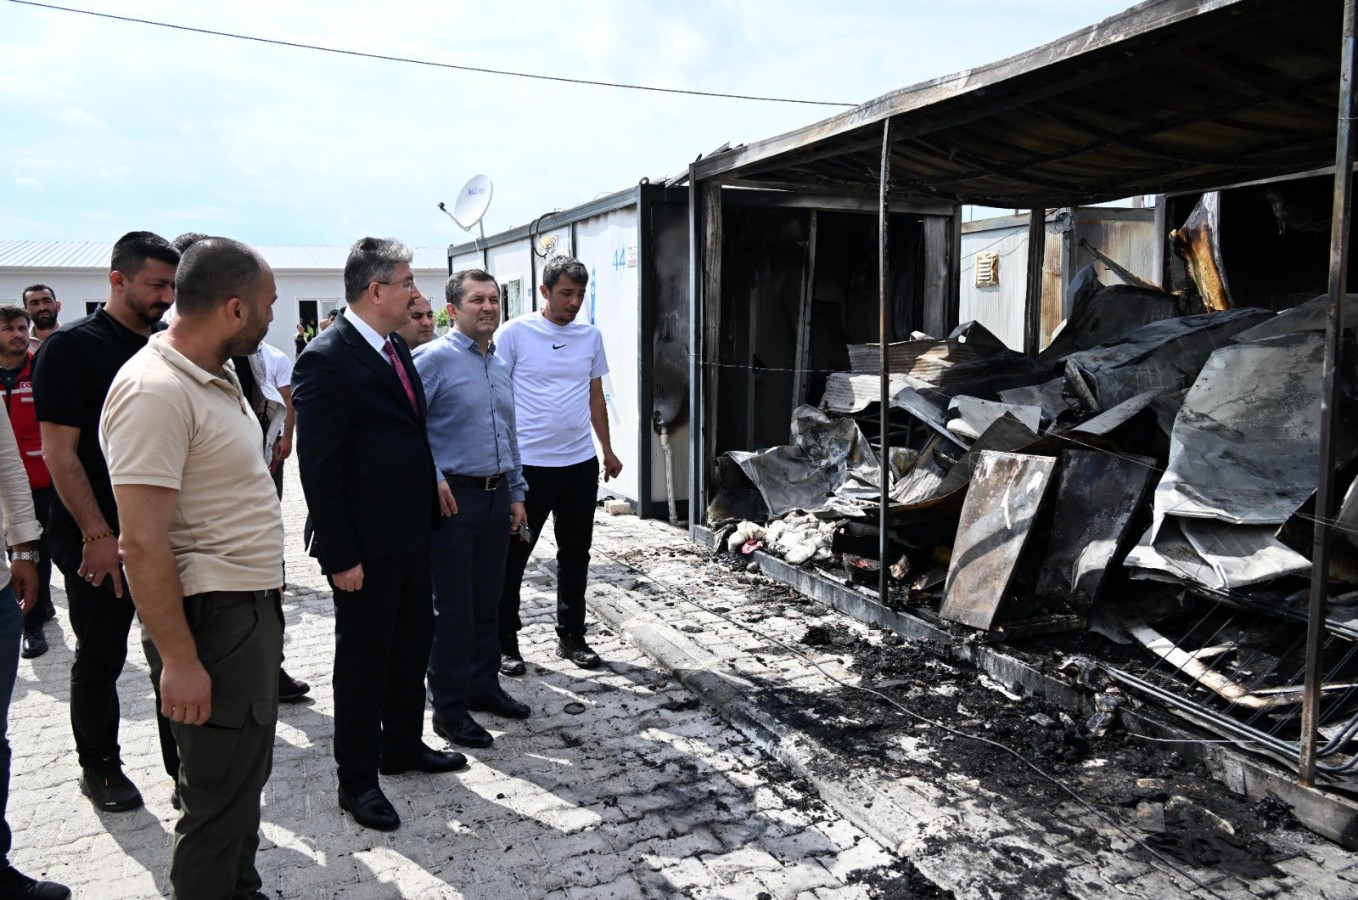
x=95, y=255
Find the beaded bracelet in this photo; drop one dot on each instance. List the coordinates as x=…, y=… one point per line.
x=98, y=537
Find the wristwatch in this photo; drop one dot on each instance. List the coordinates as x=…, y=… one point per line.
x=24, y=556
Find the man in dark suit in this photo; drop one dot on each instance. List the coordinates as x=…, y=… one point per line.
x=369, y=482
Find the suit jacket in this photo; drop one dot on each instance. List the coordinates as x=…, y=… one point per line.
x=363, y=455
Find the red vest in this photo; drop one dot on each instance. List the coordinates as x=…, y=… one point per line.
x=24, y=419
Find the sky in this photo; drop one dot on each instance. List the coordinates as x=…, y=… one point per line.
x=111, y=126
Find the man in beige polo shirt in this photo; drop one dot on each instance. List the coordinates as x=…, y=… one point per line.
x=202, y=541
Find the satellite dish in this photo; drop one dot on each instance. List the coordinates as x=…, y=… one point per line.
x=472, y=202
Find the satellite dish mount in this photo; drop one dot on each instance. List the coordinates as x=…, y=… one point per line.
x=472, y=202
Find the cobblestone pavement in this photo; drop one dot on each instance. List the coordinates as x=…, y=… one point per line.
x=732, y=634
x=644, y=793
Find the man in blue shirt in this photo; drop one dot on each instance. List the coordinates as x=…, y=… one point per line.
x=481, y=491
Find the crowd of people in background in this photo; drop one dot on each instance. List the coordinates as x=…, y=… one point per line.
x=143, y=454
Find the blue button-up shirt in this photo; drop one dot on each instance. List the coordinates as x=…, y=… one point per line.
x=471, y=410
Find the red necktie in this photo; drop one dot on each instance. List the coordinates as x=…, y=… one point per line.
x=388, y=349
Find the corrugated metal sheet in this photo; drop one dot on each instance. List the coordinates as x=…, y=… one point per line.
x=95, y=255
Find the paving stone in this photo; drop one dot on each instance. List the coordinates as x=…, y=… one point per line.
x=629, y=799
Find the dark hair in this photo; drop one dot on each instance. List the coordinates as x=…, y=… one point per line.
x=559, y=267
x=452, y=289
x=187, y=240
x=214, y=270
x=23, y=297
x=133, y=249
x=10, y=313
x=372, y=259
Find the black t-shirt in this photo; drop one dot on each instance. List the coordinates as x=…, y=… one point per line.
x=72, y=373
x=10, y=377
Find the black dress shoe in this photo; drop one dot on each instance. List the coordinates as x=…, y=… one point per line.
x=15, y=885
x=109, y=789
x=574, y=648
x=290, y=690
x=371, y=809
x=512, y=665
x=423, y=759
x=500, y=704
x=463, y=731
x=35, y=643
x=175, y=801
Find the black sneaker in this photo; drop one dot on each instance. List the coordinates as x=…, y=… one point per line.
x=15, y=885
x=574, y=648
x=34, y=643
x=109, y=789
x=290, y=690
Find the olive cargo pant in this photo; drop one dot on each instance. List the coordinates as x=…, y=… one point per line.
x=225, y=762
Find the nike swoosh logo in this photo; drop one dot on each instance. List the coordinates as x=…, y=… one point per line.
x=557, y=346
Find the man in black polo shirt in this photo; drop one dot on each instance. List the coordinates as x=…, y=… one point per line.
x=71, y=378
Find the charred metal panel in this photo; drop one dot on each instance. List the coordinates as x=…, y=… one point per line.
x=1006, y=492
x=1165, y=354
x=1100, y=312
x=1097, y=496
x=1245, y=443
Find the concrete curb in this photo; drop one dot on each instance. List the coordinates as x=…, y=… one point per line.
x=727, y=694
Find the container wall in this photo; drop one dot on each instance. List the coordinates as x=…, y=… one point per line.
x=999, y=307
x=512, y=266
x=668, y=344
x=608, y=246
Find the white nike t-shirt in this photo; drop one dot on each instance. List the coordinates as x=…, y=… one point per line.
x=551, y=367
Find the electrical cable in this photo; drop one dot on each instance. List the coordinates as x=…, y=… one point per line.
x=298, y=45
x=1117, y=826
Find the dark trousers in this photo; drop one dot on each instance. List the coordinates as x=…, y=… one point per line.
x=278, y=477
x=11, y=624
x=226, y=761
x=42, y=505
x=569, y=494
x=467, y=558
x=101, y=621
x=383, y=632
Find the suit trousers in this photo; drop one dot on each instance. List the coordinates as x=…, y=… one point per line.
x=383, y=632
x=101, y=621
x=569, y=494
x=467, y=558
x=42, y=505
x=226, y=761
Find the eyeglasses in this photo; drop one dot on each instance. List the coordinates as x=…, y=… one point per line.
x=408, y=284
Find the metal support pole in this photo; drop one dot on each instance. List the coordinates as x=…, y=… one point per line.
x=1329, y=397
x=883, y=337
x=1032, y=299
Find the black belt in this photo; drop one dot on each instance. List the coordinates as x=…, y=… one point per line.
x=480, y=482
x=220, y=599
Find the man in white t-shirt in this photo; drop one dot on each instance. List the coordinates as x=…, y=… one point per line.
x=277, y=386
x=557, y=366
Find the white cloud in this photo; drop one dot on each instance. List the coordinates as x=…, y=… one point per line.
x=78, y=118
x=29, y=183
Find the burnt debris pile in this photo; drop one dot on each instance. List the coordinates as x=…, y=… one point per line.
x=1149, y=477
